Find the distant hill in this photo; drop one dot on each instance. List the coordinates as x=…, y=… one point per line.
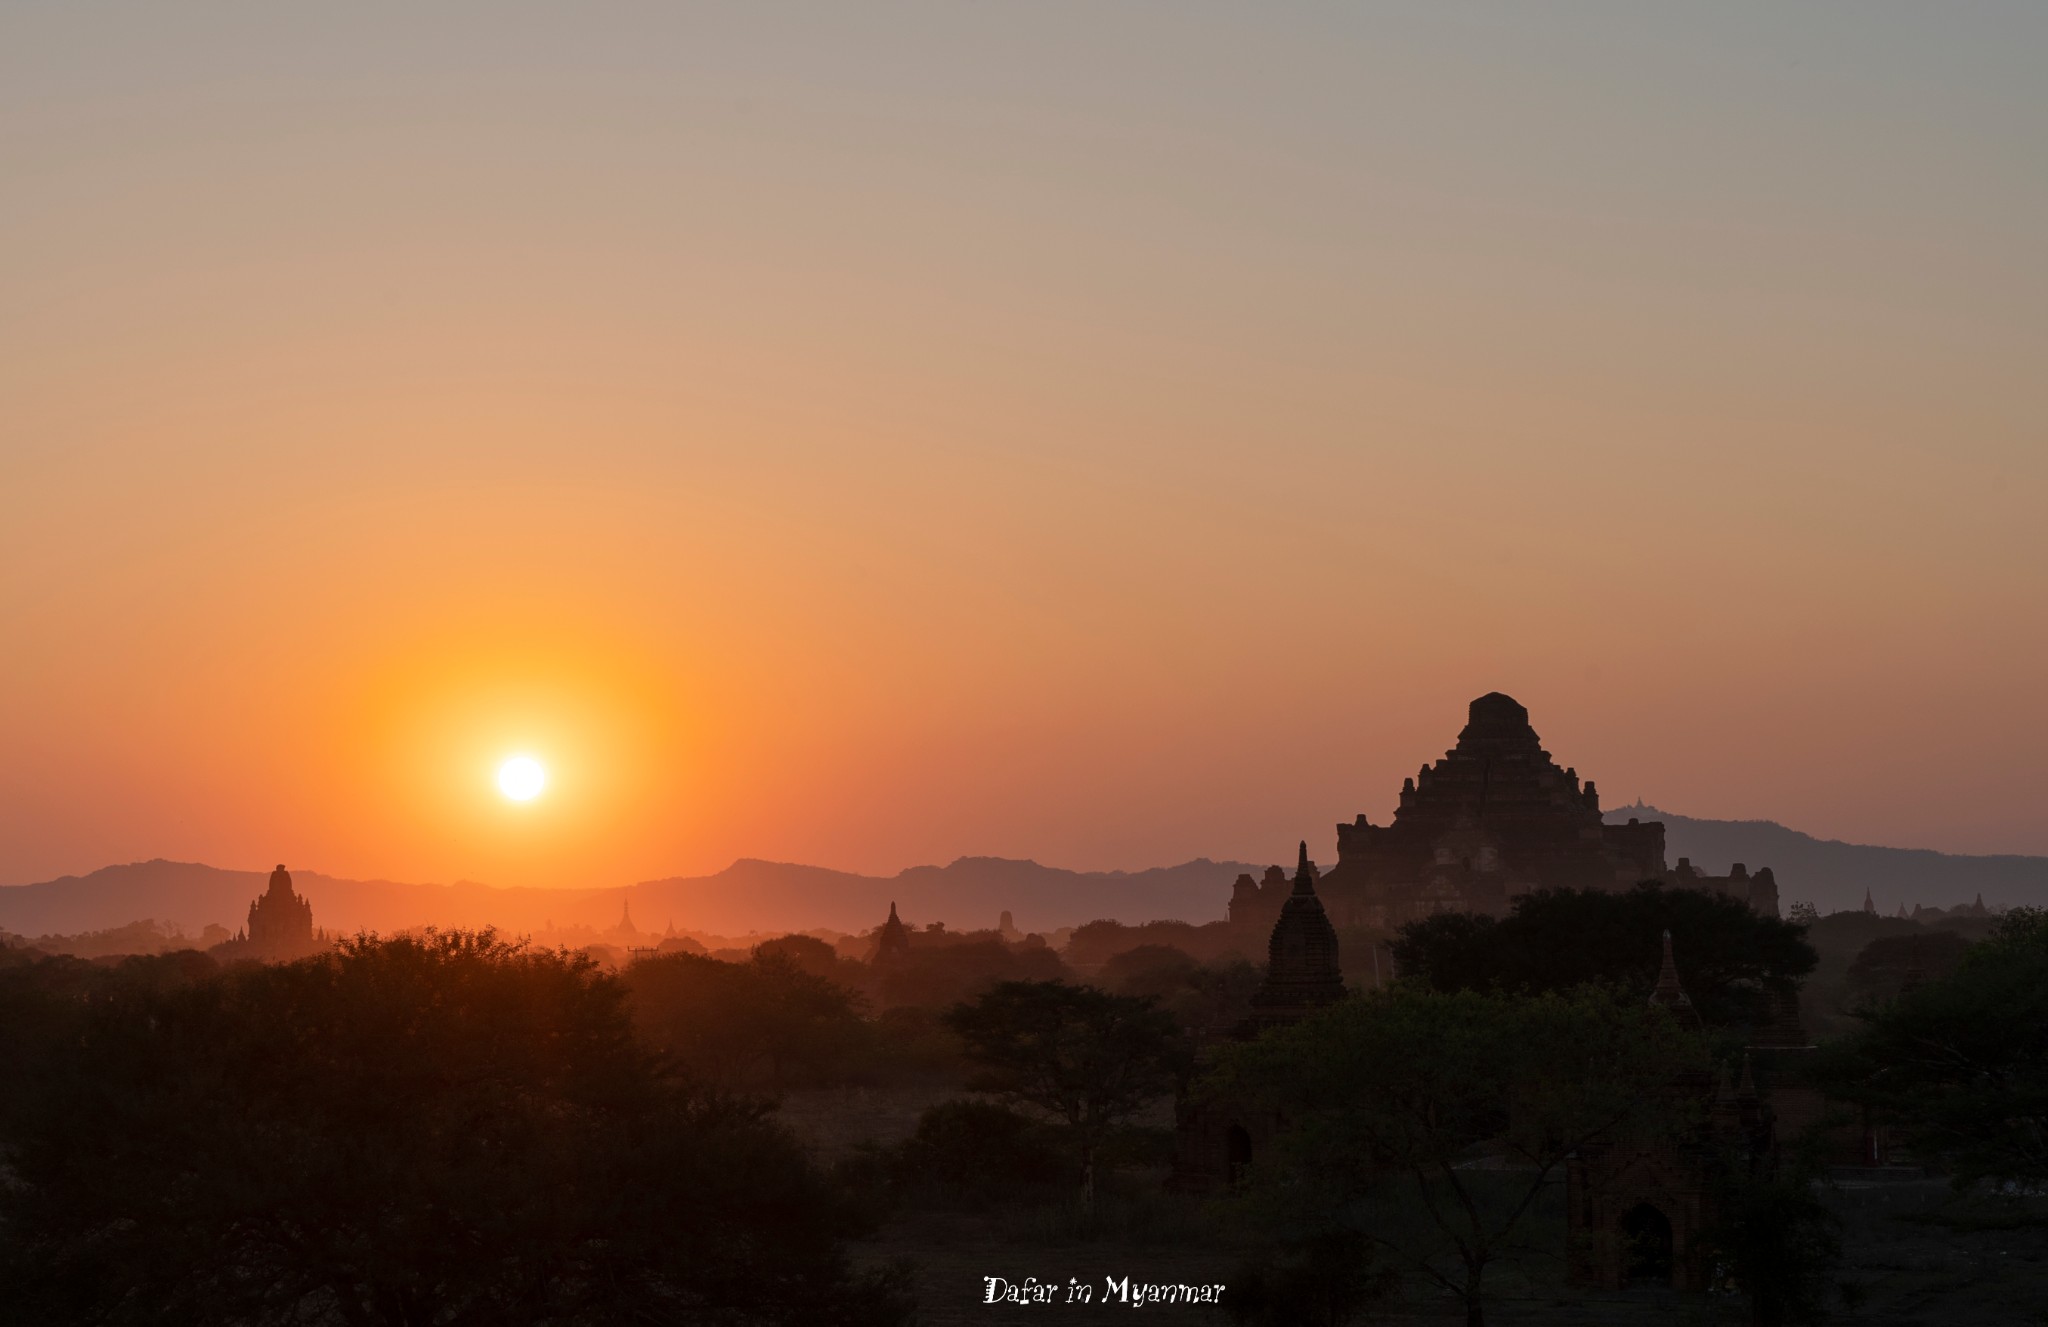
x=967, y=895
x=752, y=895
x=749, y=895
x=1833, y=875
x=189, y=895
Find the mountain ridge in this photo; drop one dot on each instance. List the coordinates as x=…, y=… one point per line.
x=1833, y=873
x=756, y=894
x=751, y=894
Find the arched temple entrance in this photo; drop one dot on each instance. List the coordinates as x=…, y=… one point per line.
x=1646, y=1246
x=1237, y=1148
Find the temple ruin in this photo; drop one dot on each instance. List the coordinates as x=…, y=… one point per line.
x=1494, y=819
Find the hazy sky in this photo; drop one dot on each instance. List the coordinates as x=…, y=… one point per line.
x=1106, y=433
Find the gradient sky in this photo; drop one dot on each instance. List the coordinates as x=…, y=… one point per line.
x=869, y=434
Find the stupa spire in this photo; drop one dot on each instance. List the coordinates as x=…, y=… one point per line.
x=892, y=938
x=1302, y=972
x=1669, y=993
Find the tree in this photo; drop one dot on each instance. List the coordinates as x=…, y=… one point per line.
x=940, y=976
x=1773, y=1233
x=978, y=1153
x=730, y=1023
x=1152, y=971
x=1095, y=943
x=808, y=954
x=1087, y=1058
x=1884, y=967
x=1960, y=1064
x=444, y=1129
x=1731, y=958
x=1431, y=1122
x=1201, y=997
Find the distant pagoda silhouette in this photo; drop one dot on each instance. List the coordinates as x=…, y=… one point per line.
x=280, y=919
x=892, y=940
x=1301, y=955
x=280, y=925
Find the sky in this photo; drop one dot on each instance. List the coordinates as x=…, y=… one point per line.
x=1107, y=434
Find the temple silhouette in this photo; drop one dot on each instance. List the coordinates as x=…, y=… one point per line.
x=280, y=925
x=892, y=940
x=1217, y=1134
x=1634, y=1205
x=1302, y=974
x=280, y=918
x=1494, y=819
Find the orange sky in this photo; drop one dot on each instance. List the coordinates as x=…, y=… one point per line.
x=1106, y=438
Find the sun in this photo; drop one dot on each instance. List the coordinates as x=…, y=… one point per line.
x=521, y=778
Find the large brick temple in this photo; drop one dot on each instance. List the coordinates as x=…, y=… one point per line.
x=1494, y=819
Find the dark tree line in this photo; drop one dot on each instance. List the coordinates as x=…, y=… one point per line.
x=1427, y=1120
x=442, y=1130
x=1959, y=1063
x=1426, y=1126
x=1732, y=960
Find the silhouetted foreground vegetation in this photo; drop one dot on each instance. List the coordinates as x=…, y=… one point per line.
x=1087, y=1059
x=449, y=1129
x=1554, y=940
x=436, y=1130
x=1960, y=1063
x=766, y=1020
x=1426, y=1126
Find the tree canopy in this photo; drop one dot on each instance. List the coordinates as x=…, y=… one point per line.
x=942, y=975
x=1391, y=1099
x=1729, y=957
x=445, y=1129
x=1084, y=1057
x=770, y=1020
x=1201, y=997
x=1887, y=965
x=1960, y=1064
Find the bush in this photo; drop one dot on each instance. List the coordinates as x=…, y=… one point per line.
x=909, y=1042
x=1327, y=1281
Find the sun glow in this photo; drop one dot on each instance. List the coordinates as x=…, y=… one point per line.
x=521, y=778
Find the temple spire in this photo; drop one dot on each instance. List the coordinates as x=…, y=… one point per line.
x=892, y=938
x=1669, y=993
x=1668, y=988
x=1304, y=872
x=1302, y=971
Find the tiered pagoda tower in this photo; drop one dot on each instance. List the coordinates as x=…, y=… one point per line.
x=280, y=920
x=1301, y=956
x=1495, y=818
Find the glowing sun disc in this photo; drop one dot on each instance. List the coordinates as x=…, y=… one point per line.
x=521, y=778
